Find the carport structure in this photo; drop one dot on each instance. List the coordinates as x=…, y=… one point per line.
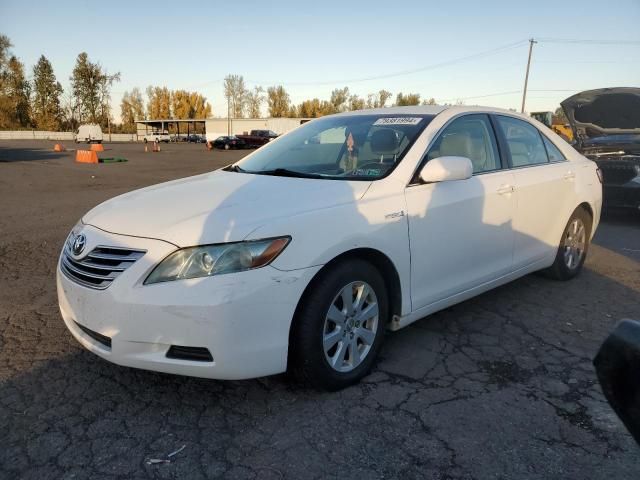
x=145, y=127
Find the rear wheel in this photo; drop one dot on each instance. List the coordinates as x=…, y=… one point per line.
x=145, y=140
x=339, y=328
x=573, y=248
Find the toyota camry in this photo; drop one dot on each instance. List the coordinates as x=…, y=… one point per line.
x=300, y=256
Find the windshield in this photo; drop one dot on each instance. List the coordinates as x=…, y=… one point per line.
x=350, y=147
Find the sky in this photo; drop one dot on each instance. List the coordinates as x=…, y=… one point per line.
x=471, y=51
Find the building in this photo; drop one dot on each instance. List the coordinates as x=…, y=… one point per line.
x=216, y=127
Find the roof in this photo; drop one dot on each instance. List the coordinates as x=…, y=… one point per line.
x=417, y=109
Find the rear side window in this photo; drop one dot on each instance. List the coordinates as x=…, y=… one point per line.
x=469, y=136
x=554, y=153
x=524, y=142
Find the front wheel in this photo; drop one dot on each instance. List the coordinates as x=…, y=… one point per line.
x=226, y=146
x=145, y=140
x=339, y=328
x=573, y=248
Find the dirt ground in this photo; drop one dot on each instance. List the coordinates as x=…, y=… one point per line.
x=499, y=387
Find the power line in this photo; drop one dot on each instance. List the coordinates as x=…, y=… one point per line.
x=588, y=41
x=509, y=92
x=483, y=54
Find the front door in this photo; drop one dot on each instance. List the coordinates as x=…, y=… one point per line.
x=460, y=232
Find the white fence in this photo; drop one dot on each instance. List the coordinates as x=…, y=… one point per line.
x=43, y=135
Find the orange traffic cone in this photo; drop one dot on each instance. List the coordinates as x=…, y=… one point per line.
x=86, y=156
x=146, y=149
x=58, y=148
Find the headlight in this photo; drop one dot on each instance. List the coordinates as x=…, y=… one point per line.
x=208, y=260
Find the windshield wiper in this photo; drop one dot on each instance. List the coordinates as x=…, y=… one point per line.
x=284, y=172
x=234, y=168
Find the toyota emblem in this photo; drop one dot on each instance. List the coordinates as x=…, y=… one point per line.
x=78, y=244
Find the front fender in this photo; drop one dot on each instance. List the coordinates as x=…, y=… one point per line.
x=378, y=221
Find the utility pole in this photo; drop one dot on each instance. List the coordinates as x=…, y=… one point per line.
x=526, y=77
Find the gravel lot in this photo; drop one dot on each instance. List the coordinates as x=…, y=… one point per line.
x=499, y=387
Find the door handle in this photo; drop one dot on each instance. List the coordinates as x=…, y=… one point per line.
x=569, y=175
x=504, y=189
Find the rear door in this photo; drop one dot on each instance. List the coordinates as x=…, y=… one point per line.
x=460, y=231
x=544, y=185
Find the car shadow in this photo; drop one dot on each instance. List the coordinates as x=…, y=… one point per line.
x=15, y=153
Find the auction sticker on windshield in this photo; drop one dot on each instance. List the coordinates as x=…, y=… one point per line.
x=398, y=121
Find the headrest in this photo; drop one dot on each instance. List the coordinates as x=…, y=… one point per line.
x=384, y=141
x=456, y=144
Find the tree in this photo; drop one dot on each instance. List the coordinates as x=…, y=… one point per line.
x=15, y=110
x=254, y=102
x=560, y=116
x=356, y=103
x=15, y=89
x=236, y=94
x=46, y=110
x=131, y=109
x=408, y=99
x=91, y=87
x=378, y=100
x=278, y=102
x=431, y=101
x=338, y=101
x=310, y=109
x=68, y=111
x=159, y=102
x=186, y=104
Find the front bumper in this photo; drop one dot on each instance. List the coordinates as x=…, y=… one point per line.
x=243, y=319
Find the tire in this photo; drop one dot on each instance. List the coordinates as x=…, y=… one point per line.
x=573, y=247
x=309, y=361
x=226, y=146
x=144, y=140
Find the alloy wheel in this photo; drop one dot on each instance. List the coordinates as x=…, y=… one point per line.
x=575, y=240
x=350, y=326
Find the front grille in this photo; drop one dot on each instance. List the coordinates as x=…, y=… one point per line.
x=98, y=337
x=100, y=267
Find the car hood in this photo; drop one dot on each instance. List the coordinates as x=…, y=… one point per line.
x=605, y=112
x=217, y=207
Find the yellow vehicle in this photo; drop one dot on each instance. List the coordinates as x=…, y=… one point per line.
x=552, y=121
x=564, y=130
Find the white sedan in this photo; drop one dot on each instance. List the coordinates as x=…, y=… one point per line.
x=301, y=255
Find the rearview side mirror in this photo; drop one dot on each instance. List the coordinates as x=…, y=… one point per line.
x=445, y=169
x=618, y=366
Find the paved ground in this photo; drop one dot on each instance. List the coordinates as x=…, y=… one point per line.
x=499, y=387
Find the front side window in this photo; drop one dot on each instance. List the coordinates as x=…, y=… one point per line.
x=554, y=153
x=524, y=142
x=469, y=136
x=344, y=147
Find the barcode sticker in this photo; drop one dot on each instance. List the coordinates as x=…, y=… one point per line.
x=398, y=121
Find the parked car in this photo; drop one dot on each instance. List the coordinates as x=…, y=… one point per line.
x=606, y=125
x=157, y=137
x=196, y=138
x=303, y=253
x=257, y=138
x=229, y=142
x=89, y=133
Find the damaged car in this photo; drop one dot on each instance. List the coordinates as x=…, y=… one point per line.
x=606, y=127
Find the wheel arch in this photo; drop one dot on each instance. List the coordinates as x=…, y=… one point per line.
x=586, y=206
x=376, y=258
